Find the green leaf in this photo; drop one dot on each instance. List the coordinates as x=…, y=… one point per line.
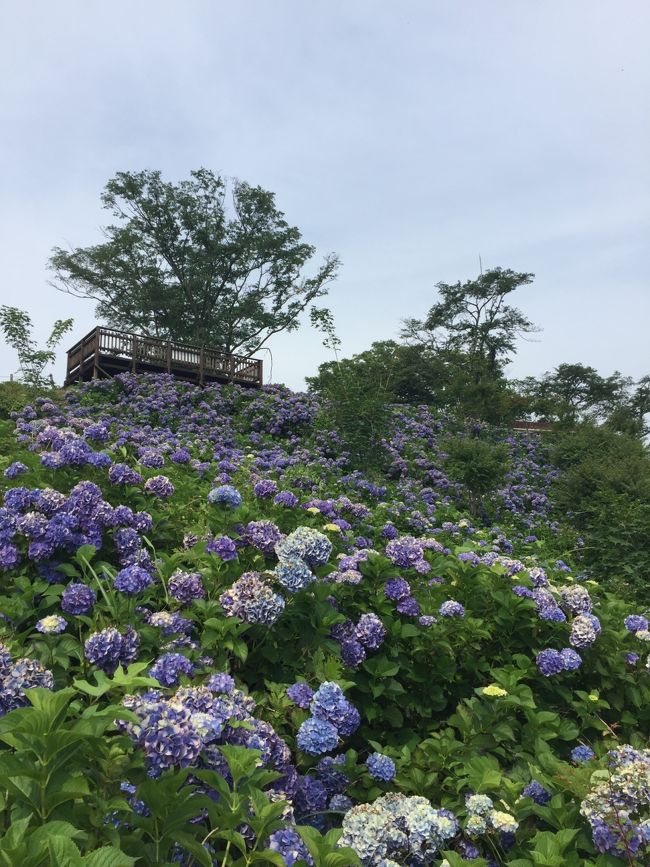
x=108, y=856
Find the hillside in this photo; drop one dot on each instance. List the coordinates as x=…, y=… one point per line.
x=222, y=644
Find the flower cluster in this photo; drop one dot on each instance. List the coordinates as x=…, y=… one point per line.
x=252, y=600
x=332, y=717
x=16, y=677
x=618, y=808
x=397, y=829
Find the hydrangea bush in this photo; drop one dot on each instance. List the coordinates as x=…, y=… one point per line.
x=221, y=645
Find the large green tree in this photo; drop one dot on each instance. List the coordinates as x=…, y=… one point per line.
x=203, y=261
x=473, y=318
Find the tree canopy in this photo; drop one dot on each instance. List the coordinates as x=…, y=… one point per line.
x=473, y=318
x=202, y=261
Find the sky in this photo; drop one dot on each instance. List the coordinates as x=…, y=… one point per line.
x=410, y=138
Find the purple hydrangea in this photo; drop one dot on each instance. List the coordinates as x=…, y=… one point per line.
x=169, y=667
x=636, y=623
x=380, y=767
x=51, y=625
x=104, y=649
x=286, y=499
x=406, y=551
x=265, y=489
x=78, y=599
x=132, y=580
x=329, y=703
x=427, y=620
x=160, y=487
x=451, y=608
x=263, y=535
x=397, y=589
x=300, y=694
x=537, y=792
x=14, y=470
x=252, y=600
x=185, y=587
x=570, y=659
x=121, y=474
x=408, y=606
x=221, y=682
x=289, y=845
x=223, y=547
x=352, y=653
x=370, y=631
x=550, y=662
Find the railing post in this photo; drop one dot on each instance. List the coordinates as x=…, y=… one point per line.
x=232, y=366
x=134, y=354
x=260, y=372
x=201, y=365
x=169, y=356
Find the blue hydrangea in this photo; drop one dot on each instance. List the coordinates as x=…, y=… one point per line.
x=225, y=495
x=289, y=845
x=14, y=470
x=370, y=631
x=329, y=703
x=582, y=754
x=305, y=544
x=51, y=625
x=294, y=575
x=185, y=587
x=317, y=736
x=550, y=662
x=380, y=767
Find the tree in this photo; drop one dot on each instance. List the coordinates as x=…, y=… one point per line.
x=473, y=318
x=195, y=262
x=16, y=326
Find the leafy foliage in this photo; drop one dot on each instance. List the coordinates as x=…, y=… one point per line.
x=195, y=262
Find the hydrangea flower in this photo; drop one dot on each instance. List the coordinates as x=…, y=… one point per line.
x=160, y=487
x=132, y=580
x=300, y=694
x=286, y=499
x=636, y=623
x=252, y=600
x=225, y=495
x=380, y=767
x=78, y=599
x=329, y=703
x=582, y=753
x=15, y=469
x=185, y=587
x=223, y=547
x=537, y=792
x=370, y=631
x=294, y=575
x=305, y=544
x=169, y=667
x=265, y=489
x=451, y=608
x=51, y=625
x=317, y=736
x=289, y=845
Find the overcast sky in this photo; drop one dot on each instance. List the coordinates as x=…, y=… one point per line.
x=408, y=137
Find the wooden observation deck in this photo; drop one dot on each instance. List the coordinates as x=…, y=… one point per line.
x=105, y=352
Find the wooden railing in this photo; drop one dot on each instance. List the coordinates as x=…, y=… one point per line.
x=105, y=351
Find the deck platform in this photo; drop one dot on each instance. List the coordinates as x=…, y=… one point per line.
x=105, y=352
